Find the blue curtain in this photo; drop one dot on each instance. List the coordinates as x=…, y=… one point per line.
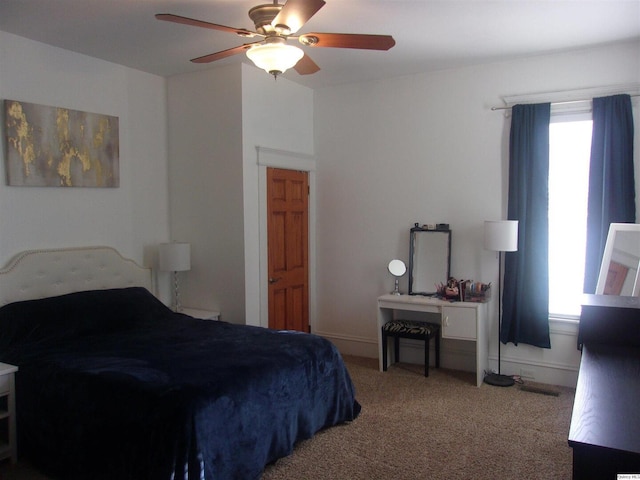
x=525, y=304
x=612, y=197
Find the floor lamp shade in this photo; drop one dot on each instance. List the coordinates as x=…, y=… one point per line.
x=174, y=257
x=501, y=235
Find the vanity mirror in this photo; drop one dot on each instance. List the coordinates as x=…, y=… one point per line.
x=620, y=261
x=429, y=259
x=397, y=268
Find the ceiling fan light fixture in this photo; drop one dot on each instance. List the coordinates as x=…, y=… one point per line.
x=274, y=58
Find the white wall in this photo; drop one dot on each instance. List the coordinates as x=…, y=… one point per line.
x=427, y=148
x=205, y=165
x=132, y=218
x=217, y=118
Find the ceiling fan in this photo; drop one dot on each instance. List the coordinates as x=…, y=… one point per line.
x=277, y=23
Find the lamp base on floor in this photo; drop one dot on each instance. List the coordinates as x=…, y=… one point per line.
x=498, y=380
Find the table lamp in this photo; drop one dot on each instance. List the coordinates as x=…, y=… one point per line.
x=175, y=257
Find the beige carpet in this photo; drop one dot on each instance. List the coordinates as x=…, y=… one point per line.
x=441, y=427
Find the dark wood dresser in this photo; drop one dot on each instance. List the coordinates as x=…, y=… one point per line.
x=605, y=424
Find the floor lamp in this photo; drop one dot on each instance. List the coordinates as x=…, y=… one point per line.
x=500, y=236
x=175, y=257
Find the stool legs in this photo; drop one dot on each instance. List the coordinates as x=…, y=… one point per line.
x=384, y=351
x=426, y=356
x=426, y=353
x=396, y=347
x=396, y=344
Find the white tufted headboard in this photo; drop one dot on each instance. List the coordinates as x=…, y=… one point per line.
x=45, y=273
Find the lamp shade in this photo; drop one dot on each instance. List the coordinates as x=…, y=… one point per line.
x=501, y=235
x=274, y=58
x=174, y=257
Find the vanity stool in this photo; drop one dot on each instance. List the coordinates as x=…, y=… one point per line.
x=411, y=329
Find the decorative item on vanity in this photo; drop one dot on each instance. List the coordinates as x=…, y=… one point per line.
x=450, y=290
x=500, y=236
x=471, y=291
x=397, y=268
x=175, y=257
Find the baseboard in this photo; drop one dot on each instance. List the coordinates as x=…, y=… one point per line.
x=550, y=373
x=453, y=354
x=352, y=345
x=460, y=355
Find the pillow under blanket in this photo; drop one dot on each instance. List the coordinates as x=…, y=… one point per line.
x=79, y=313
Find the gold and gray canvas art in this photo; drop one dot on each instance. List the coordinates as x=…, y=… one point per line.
x=59, y=147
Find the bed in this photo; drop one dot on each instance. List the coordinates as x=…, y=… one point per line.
x=112, y=384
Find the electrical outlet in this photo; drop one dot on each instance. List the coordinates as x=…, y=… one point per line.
x=528, y=374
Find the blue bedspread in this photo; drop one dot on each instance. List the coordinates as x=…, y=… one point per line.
x=114, y=385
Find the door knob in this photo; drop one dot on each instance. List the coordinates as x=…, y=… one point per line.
x=274, y=280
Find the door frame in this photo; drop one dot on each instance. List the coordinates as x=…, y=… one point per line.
x=269, y=157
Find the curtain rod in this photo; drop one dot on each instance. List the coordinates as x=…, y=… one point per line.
x=559, y=103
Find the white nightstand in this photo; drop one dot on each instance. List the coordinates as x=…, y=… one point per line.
x=199, y=313
x=8, y=446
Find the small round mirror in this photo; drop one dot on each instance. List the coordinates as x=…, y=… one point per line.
x=397, y=268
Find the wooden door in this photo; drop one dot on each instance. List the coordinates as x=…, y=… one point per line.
x=288, y=247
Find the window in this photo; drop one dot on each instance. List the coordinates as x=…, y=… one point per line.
x=569, y=155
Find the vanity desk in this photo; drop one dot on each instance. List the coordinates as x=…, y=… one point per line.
x=459, y=321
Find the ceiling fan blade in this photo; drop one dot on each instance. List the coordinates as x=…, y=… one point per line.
x=212, y=57
x=168, y=17
x=306, y=66
x=295, y=13
x=348, y=40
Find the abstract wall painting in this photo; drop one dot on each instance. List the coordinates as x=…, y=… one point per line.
x=59, y=147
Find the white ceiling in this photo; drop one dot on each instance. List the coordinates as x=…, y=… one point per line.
x=429, y=34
